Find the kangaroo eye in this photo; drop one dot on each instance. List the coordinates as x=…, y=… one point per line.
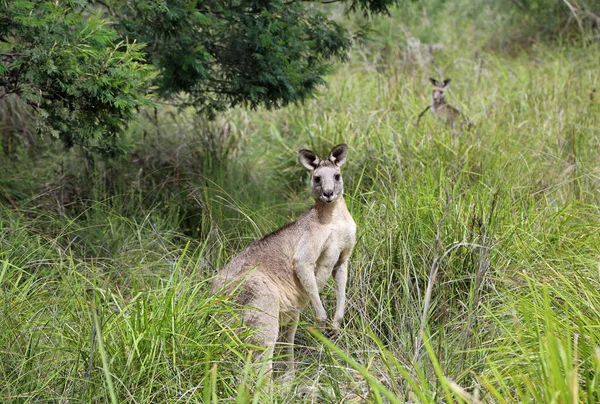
x=337, y=177
x=317, y=179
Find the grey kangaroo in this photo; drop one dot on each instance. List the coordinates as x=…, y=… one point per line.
x=276, y=276
x=440, y=108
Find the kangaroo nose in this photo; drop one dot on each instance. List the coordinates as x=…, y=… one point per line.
x=328, y=194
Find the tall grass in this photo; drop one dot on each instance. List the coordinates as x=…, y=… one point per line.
x=474, y=278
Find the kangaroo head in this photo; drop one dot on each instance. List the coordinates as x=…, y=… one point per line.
x=439, y=90
x=326, y=183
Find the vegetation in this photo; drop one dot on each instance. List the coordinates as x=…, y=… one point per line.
x=486, y=240
x=85, y=66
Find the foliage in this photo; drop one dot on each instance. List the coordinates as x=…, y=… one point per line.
x=257, y=53
x=549, y=18
x=85, y=66
x=68, y=66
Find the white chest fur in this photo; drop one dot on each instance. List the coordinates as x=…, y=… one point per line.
x=335, y=249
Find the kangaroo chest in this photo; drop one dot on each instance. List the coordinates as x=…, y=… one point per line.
x=438, y=109
x=338, y=241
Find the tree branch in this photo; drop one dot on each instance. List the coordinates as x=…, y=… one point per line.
x=577, y=18
x=112, y=13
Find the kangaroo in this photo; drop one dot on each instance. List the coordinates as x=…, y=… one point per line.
x=278, y=275
x=440, y=108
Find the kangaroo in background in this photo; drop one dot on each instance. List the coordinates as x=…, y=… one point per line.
x=279, y=274
x=440, y=108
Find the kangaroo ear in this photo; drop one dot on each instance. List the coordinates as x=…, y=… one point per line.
x=434, y=81
x=338, y=154
x=446, y=82
x=309, y=159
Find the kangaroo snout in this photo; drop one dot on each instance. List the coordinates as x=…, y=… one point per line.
x=328, y=196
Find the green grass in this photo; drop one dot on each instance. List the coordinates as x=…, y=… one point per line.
x=488, y=240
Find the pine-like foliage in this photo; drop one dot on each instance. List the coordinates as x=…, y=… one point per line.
x=67, y=63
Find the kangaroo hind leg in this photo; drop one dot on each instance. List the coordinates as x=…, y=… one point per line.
x=262, y=315
x=288, y=334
